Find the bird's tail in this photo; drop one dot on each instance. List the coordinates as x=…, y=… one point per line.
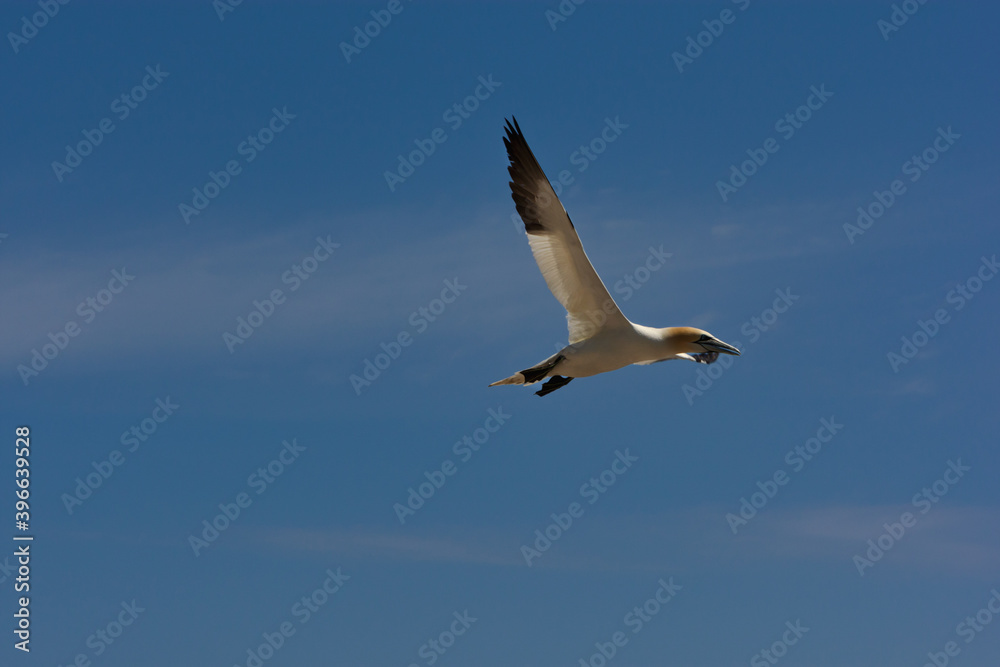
x=533, y=374
x=516, y=378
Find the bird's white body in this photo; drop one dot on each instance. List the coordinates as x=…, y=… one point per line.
x=601, y=338
x=611, y=349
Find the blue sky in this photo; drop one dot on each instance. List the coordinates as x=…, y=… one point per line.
x=330, y=267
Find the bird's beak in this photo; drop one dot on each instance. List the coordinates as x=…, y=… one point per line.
x=716, y=345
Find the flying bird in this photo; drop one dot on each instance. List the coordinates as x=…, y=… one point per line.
x=601, y=338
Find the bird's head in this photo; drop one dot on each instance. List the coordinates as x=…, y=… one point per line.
x=695, y=341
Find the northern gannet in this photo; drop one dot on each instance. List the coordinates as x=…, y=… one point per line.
x=601, y=339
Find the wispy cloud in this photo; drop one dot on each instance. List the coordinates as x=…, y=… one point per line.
x=947, y=541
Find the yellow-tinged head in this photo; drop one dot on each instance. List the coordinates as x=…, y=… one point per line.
x=695, y=341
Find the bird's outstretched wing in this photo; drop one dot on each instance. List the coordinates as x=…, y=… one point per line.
x=556, y=246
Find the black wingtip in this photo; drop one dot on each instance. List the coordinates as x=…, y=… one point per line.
x=512, y=128
x=554, y=382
